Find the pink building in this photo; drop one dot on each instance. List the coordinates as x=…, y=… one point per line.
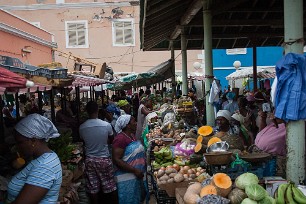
x=96, y=31
x=20, y=39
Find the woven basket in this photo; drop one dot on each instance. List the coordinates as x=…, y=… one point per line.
x=218, y=158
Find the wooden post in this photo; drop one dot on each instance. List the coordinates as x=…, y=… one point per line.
x=17, y=106
x=52, y=105
x=1, y=121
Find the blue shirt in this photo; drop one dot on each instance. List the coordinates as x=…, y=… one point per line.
x=45, y=172
x=290, y=96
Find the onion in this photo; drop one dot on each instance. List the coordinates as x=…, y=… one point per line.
x=176, y=166
x=186, y=168
x=162, y=168
x=190, y=171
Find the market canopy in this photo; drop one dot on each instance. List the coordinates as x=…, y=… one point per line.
x=262, y=72
x=154, y=75
x=235, y=23
x=12, y=81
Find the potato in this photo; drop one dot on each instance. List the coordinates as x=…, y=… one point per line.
x=170, y=180
x=172, y=175
x=192, y=176
x=163, y=182
x=164, y=178
x=160, y=173
x=170, y=170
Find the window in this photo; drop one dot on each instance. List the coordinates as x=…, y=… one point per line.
x=236, y=51
x=76, y=34
x=37, y=24
x=123, y=32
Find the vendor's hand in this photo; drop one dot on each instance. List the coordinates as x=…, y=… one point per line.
x=262, y=114
x=138, y=173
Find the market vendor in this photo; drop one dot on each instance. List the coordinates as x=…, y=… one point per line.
x=40, y=180
x=232, y=105
x=125, y=107
x=112, y=112
x=272, y=139
x=143, y=111
x=227, y=132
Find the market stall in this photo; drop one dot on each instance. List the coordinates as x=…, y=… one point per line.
x=242, y=77
x=191, y=164
x=154, y=75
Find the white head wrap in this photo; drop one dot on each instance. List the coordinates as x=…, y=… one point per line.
x=122, y=122
x=238, y=117
x=37, y=126
x=224, y=113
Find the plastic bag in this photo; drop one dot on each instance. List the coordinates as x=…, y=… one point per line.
x=185, y=148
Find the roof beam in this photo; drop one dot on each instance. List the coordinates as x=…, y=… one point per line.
x=242, y=22
x=256, y=10
x=162, y=6
x=177, y=9
x=236, y=35
x=192, y=10
x=221, y=8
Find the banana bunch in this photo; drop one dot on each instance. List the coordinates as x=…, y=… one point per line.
x=288, y=193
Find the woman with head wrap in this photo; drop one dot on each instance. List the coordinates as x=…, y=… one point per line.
x=40, y=180
x=227, y=132
x=125, y=107
x=129, y=157
x=143, y=111
x=112, y=112
x=232, y=105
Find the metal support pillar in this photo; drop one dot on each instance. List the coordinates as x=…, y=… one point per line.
x=184, y=63
x=207, y=18
x=293, y=19
x=173, y=70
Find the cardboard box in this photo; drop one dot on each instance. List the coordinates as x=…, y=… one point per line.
x=179, y=195
x=272, y=184
x=170, y=187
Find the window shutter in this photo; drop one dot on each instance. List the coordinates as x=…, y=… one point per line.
x=76, y=34
x=124, y=33
x=119, y=36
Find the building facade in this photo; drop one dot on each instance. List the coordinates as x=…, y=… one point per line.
x=94, y=31
x=20, y=39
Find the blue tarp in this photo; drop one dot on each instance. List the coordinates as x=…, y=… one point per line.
x=290, y=99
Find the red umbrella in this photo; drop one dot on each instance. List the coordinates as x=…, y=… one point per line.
x=10, y=79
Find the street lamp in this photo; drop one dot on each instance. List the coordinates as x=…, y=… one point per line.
x=237, y=64
x=197, y=65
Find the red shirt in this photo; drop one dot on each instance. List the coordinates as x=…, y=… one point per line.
x=122, y=141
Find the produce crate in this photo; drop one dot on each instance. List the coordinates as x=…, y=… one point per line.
x=56, y=73
x=163, y=198
x=11, y=62
x=233, y=173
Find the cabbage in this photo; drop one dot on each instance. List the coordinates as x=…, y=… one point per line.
x=267, y=200
x=256, y=192
x=246, y=179
x=248, y=201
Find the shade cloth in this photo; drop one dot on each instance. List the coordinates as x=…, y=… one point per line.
x=12, y=80
x=262, y=72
